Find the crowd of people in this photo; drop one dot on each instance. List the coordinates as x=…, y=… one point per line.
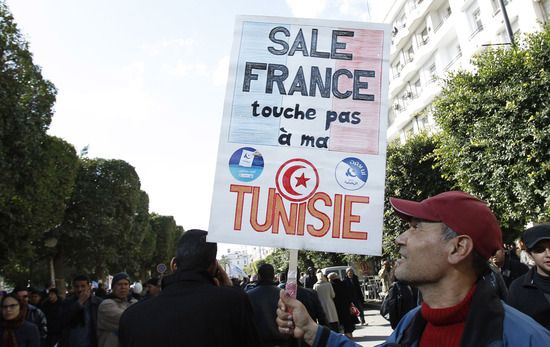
x=473, y=292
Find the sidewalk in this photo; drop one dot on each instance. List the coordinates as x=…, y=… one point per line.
x=373, y=334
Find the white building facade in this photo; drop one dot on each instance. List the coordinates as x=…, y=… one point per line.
x=433, y=37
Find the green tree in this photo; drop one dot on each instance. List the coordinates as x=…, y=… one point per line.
x=100, y=217
x=133, y=244
x=411, y=173
x=496, y=130
x=166, y=234
x=52, y=189
x=26, y=108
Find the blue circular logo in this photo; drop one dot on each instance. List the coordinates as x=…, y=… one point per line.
x=351, y=173
x=246, y=164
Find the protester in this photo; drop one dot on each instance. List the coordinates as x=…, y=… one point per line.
x=444, y=253
x=326, y=296
x=354, y=287
x=79, y=315
x=153, y=288
x=310, y=278
x=530, y=293
x=400, y=299
x=52, y=308
x=523, y=255
x=264, y=299
x=15, y=330
x=342, y=301
x=110, y=310
x=385, y=275
x=34, y=314
x=195, y=307
x=509, y=265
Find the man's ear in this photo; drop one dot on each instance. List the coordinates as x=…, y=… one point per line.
x=461, y=247
x=213, y=268
x=173, y=265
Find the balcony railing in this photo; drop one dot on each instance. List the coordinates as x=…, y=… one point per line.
x=478, y=29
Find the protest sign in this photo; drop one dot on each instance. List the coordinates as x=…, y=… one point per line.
x=301, y=159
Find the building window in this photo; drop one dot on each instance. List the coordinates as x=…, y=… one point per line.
x=477, y=19
x=448, y=12
x=417, y=88
x=424, y=37
x=432, y=72
x=477, y=24
x=410, y=53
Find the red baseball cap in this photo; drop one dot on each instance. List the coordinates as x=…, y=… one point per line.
x=460, y=211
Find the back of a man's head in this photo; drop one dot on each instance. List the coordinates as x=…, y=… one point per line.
x=193, y=252
x=266, y=272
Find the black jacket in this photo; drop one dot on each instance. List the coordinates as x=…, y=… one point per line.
x=527, y=298
x=73, y=316
x=190, y=311
x=264, y=299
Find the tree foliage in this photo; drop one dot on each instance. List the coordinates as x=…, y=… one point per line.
x=26, y=102
x=166, y=234
x=411, y=173
x=100, y=220
x=496, y=130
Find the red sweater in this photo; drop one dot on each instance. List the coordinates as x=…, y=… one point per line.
x=445, y=325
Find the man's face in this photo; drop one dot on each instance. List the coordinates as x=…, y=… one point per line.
x=153, y=290
x=35, y=299
x=121, y=289
x=498, y=258
x=23, y=295
x=541, y=255
x=80, y=287
x=52, y=297
x=423, y=256
x=349, y=273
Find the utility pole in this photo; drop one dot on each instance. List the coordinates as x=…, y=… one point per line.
x=507, y=22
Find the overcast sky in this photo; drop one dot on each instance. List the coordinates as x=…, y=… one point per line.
x=144, y=81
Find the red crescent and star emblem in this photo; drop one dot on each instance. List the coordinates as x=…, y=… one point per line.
x=297, y=180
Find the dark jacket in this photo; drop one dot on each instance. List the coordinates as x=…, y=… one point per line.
x=490, y=323
x=525, y=296
x=512, y=268
x=73, y=316
x=355, y=288
x=311, y=301
x=53, y=312
x=342, y=301
x=27, y=335
x=264, y=298
x=190, y=311
x=37, y=317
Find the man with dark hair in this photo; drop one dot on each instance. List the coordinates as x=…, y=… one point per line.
x=52, y=308
x=264, y=299
x=79, y=315
x=444, y=253
x=530, y=293
x=153, y=288
x=310, y=279
x=195, y=307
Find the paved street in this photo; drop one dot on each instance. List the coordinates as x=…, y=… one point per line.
x=374, y=333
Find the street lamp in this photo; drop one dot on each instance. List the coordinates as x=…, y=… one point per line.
x=506, y=21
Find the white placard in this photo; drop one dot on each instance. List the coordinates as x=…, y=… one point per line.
x=302, y=151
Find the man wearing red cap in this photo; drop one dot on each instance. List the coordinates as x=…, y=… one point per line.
x=444, y=253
